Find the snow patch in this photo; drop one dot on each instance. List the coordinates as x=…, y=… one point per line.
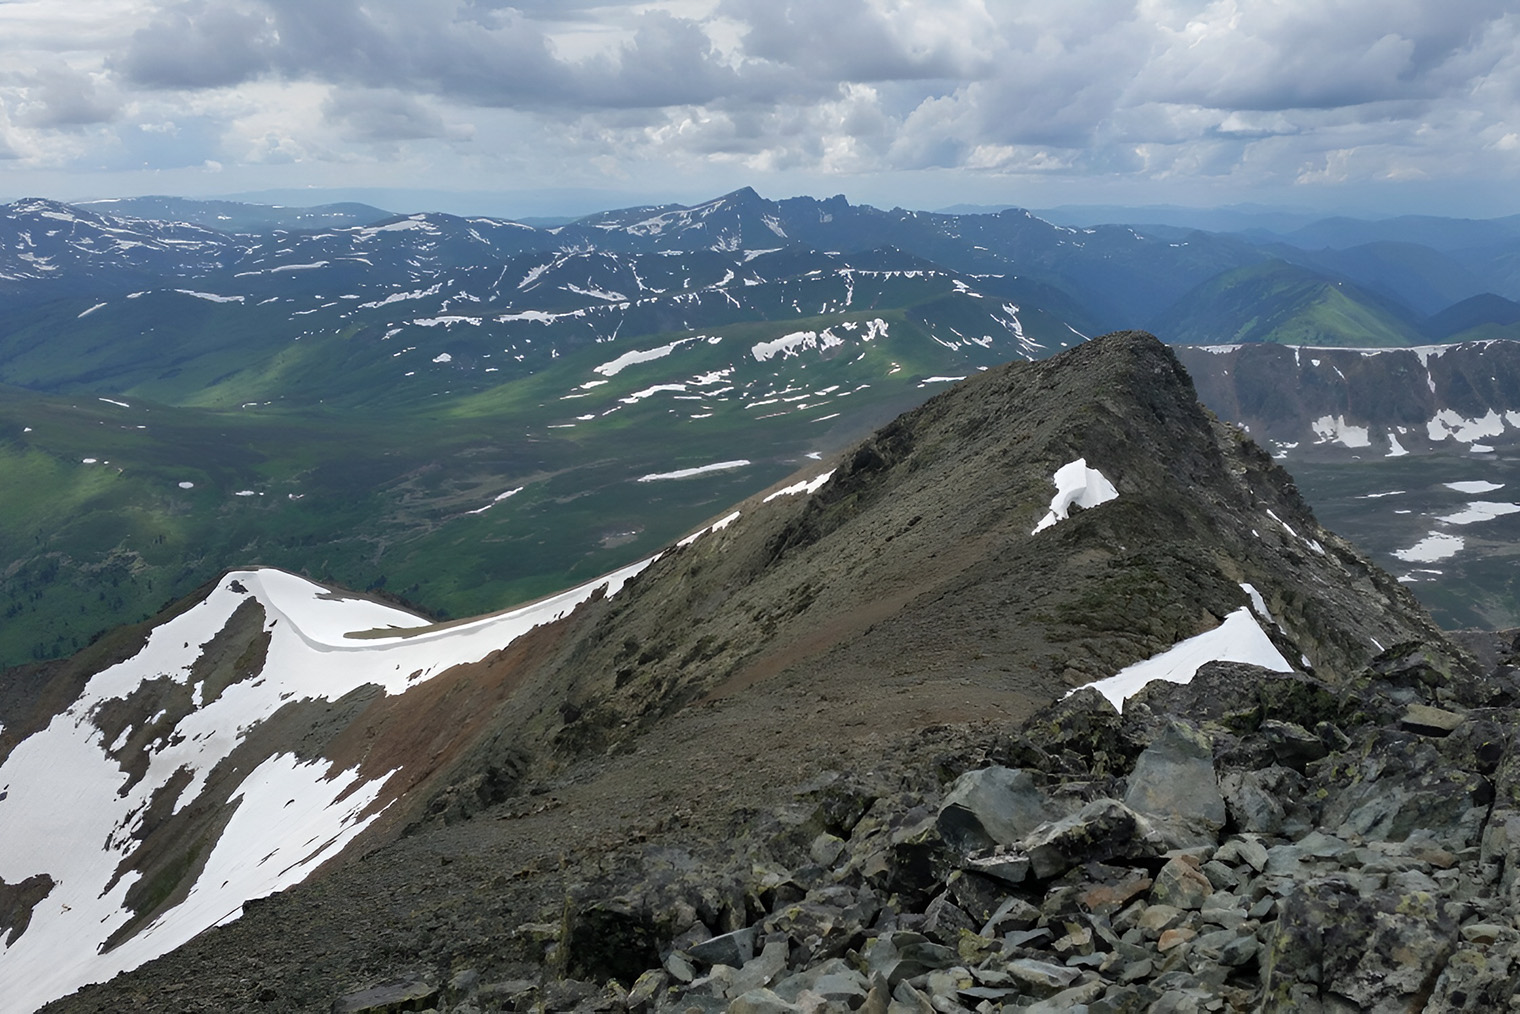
x=1449, y=424
x=627, y=359
x=1435, y=546
x=805, y=486
x=794, y=343
x=686, y=473
x=1480, y=510
x=1076, y=485
x=211, y=297
x=1474, y=486
x=1335, y=429
x=1239, y=638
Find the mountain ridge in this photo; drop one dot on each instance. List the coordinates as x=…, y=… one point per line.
x=899, y=571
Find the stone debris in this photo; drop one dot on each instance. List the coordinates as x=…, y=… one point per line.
x=1249, y=842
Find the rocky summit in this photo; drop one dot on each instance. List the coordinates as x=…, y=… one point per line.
x=917, y=731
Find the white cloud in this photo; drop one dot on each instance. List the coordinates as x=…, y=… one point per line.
x=1244, y=92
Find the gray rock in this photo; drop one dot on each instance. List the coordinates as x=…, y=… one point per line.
x=1252, y=803
x=944, y=922
x=1009, y=867
x=1181, y=885
x=679, y=967
x=1042, y=975
x=904, y=955
x=1474, y=979
x=1378, y=952
x=1174, y=779
x=1221, y=876
x=1424, y=719
x=732, y=949
x=646, y=988
x=1243, y=850
x=1240, y=951
x=907, y=1000
x=392, y=998
x=833, y=981
x=826, y=850
x=761, y=1001
x=1101, y=830
x=761, y=970
x=1072, y=999
x=1293, y=745
x=991, y=806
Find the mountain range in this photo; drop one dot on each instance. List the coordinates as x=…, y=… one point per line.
x=366, y=397
x=731, y=607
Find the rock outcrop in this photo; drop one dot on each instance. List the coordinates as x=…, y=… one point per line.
x=1380, y=878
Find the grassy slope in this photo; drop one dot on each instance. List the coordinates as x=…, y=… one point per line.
x=380, y=497
x=1278, y=302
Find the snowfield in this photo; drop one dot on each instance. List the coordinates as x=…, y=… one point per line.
x=1239, y=638
x=64, y=795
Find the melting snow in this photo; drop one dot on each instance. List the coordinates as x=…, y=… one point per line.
x=616, y=366
x=112, y=401
x=1480, y=510
x=185, y=485
x=211, y=297
x=1474, y=486
x=1078, y=485
x=715, y=526
x=1238, y=639
x=1434, y=547
x=1448, y=424
x=91, y=310
x=55, y=823
x=793, y=344
x=812, y=485
x=1335, y=428
x=499, y=498
x=1395, y=449
x=443, y=357
x=685, y=473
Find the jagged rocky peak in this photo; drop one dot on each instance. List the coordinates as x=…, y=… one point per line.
x=1039, y=528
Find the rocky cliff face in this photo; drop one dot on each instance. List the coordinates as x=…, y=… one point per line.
x=1038, y=528
x=1329, y=404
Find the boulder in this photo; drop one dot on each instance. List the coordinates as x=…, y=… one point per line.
x=1380, y=951
x=1174, y=779
x=1103, y=829
x=991, y=806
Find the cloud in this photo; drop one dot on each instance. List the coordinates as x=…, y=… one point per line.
x=387, y=116
x=60, y=97
x=199, y=44
x=1239, y=90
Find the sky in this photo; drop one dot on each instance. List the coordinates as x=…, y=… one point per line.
x=548, y=107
